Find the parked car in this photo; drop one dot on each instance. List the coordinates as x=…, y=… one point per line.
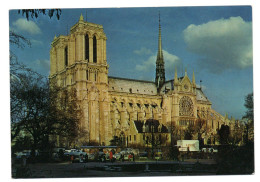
x=143, y=155
x=74, y=152
x=117, y=156
x=91, y=157
x=209, y=150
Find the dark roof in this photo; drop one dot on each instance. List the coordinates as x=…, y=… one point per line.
x=149, y=123
x=130, y=79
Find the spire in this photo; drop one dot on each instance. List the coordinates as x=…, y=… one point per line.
x=176, y=77
x=160, y=71
x=81, y=18
x=160, y=53
x=193, y=79
x=185, y=71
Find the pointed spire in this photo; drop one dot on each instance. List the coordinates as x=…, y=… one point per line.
x=55, y=37
x=176, y=77
x=160, y=53
x=81, y=18
x=193, y=79
x=185, y=71
x=160, y=71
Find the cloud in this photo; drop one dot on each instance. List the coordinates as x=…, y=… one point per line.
x=41, y=66
x=222, y=44
x=170, y=61
x=24, y=25
x=36, y=42
x=143, y=51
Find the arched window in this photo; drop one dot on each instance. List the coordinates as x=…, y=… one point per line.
x=87, y=74
x=94, y=49
x=86, y=47
x=66, y=56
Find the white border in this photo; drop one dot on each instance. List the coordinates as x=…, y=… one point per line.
x=5, y=96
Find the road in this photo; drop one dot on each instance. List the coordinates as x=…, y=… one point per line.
x=122, y=169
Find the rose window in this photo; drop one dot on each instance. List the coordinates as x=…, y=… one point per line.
x=186, y=106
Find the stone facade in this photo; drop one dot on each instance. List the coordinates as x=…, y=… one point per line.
x=121, y=107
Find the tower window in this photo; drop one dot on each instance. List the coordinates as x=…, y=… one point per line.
x=87, y=74
x=94, y=49
x=95, y=77
x=86, y=47
x=66, y=56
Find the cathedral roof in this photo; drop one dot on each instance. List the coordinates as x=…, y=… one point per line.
x=132, y=86
x=200, y=95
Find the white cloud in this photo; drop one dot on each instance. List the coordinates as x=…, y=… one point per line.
x=223, y=44
x=143, y=51
x=41, y=66
x=36, y=42
x=24, y=25
x=170, y=61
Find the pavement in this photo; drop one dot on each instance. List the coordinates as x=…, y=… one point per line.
x=122, y=169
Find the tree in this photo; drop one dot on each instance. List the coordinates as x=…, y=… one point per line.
x=42, y=112
x=189, y=132
x=223, y=133
x=249, y=104
x=249, y=117
x=34, y=13
x=200, y=129
x=236, y=135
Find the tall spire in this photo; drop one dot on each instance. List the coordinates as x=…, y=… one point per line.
x=160, y=53
x=160, y=71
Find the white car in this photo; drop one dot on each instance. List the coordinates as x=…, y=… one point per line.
x=74, y=152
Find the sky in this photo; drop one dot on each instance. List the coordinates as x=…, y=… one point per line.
x=213, y=41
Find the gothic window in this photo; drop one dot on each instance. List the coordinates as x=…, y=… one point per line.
x=94, y=49
x=66, y=56
x=186, y=106
x=86, y=47
x=95, y=77
x=87, y=74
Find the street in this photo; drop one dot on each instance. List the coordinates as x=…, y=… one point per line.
x=122, y=169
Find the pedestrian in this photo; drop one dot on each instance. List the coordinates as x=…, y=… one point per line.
x=111, y=156
x=71, y=158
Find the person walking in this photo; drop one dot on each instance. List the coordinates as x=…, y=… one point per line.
x=111, y=156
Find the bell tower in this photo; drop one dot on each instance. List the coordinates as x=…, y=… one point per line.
x=160, y=71
x=78, y=61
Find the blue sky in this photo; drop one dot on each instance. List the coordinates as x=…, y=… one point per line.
x=214, y=42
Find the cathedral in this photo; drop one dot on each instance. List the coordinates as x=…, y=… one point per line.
x=131, y=110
